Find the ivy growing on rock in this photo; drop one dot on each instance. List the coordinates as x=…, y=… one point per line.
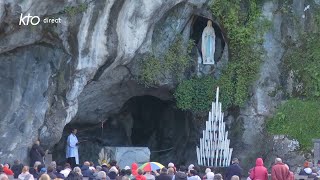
x=299, y=116
x=299, y=119
x=243, y=26
x=193, y=94
x=172, y=65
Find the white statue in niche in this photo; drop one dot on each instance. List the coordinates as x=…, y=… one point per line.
x=208, y=44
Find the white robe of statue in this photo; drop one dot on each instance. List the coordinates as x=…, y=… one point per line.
x=208, y=44
x=72, y=148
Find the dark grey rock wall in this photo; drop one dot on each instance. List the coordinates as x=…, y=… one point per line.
x=54, y=73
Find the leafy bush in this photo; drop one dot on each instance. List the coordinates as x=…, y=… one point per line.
x=243, y=30
x=174, y=63
x=298, y=119
x=193, y=94
x=151, y=69
x=305, y=63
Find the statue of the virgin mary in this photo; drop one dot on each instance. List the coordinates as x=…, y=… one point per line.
x=208, y=44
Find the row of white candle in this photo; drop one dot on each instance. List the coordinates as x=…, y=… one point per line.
x=214, y=145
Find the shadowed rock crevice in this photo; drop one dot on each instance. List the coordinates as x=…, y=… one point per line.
x=112, y=40
x=143, y=121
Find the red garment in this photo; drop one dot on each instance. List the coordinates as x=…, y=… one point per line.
x=259, y=172
x=141, y=177
x=291, y=177
x=280, y=172
x=7, y=171
x=134, y=169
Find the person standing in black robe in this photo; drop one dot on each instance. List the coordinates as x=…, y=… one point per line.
x=36, y=154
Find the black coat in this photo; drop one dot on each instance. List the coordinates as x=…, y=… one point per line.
x=36, y=154
x=34, y=172
x=163, y=176
x=180, y=176
x=17, y=169
x=73, y=176
x=59, y=175
x=232, y=170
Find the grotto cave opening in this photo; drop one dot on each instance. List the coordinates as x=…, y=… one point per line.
x=142, y=121
x=198, y=25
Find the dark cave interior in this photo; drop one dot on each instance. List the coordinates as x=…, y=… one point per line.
x=143, y=121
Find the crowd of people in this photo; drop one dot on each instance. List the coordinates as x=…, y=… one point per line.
x=104, y=172
x=111, y=171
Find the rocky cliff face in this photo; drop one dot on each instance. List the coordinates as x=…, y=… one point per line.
x=288, y=19
x=78, y=69
x=82, y=69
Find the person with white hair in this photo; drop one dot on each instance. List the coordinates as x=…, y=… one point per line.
x=53, y=164
x=218, y=177
x=102, y=175
x=113, y=172
x=77, y=170
x=170, y=165
x=191, y=166
x=280, y=170
x=208, y=174
x=235, y=177
x=35, y=171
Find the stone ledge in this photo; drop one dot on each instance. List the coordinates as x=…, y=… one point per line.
x=125, y=156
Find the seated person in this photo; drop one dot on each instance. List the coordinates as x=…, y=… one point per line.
x=306, y=171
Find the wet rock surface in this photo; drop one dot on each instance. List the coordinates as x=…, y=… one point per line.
x=82, y=71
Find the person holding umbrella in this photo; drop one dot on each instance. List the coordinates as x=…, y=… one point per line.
x=151, y=166
x=149, y=176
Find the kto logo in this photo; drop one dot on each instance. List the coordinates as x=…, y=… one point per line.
x=34, y=20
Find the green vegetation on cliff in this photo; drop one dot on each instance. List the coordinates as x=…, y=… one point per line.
x=73, y=10
x=304, y=61
x=243, y=27
x=195, y=94
x=299, y=116
x=298, y=119
x=171, y=65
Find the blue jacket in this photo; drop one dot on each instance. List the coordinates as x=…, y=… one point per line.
x=232, y=170
x=86, y=172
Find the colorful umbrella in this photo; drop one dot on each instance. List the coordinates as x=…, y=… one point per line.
x=151, y=166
